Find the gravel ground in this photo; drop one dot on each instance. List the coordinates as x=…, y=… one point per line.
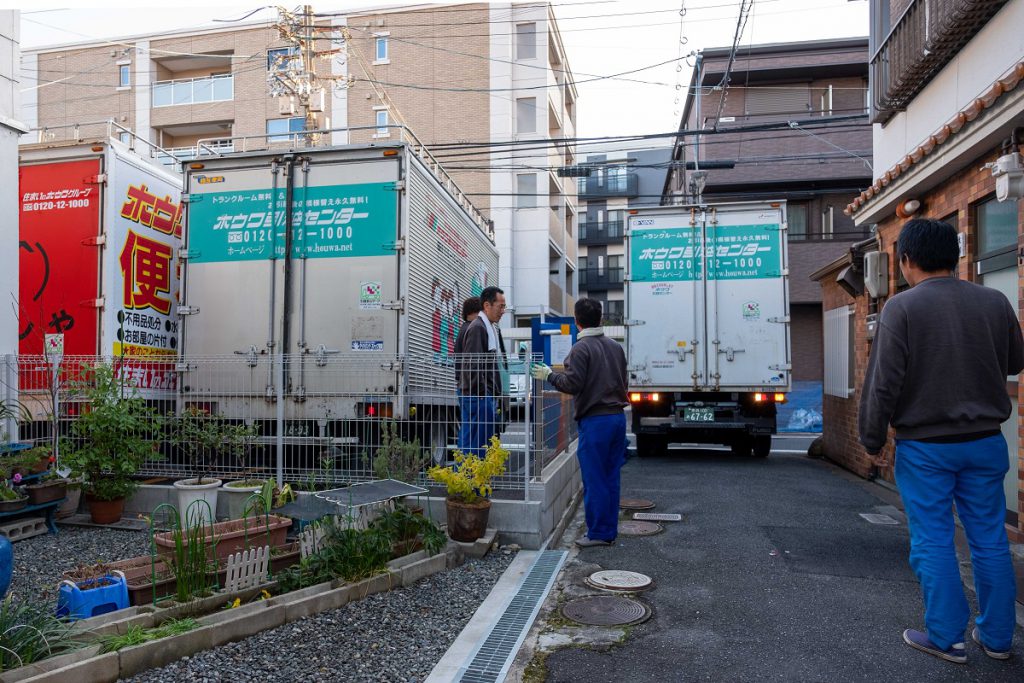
x=39, y=561
x=395, y=636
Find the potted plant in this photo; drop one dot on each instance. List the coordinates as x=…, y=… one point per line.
x=11, y=498
x=204, y=437
x=468, y=483
x=111, y=441
x=237, y=442
x=50, y=487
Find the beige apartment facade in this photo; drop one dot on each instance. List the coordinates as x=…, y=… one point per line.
x=486, y=87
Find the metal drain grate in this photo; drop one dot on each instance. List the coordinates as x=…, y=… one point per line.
x=629, y=527
x=606, y=611
x=491, y=661
x=657, y=516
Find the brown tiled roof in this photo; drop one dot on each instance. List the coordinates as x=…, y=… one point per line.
x=1011, y=80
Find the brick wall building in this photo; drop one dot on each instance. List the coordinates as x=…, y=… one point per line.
x=933, y=139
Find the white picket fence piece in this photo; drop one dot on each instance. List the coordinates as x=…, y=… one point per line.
x=310, y=540
x=248, y=569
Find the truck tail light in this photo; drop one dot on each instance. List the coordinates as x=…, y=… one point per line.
x=758, y=398
x=655, y=398
x=634, y=398
x=780, y=398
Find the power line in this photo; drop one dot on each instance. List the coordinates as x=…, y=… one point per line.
x=741, y=23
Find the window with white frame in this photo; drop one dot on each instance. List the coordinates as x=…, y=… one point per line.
x=526, y=41
x=282, y=58
x=526, y=191
x=839, y=364
x=278, y=129
x=124, y=76
x=381, y=121
x=526, y=115
x=380, y=49
x=125, y=137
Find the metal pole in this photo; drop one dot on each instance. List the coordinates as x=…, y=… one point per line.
x=527, y=432
x=10, y=377
x=280, y=419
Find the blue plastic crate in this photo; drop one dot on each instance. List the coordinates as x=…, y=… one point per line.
x=89, y=599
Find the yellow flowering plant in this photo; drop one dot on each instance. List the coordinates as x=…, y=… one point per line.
x=469, y=479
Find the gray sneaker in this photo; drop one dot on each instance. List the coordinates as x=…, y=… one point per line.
x=994, y=654
x=586, y=542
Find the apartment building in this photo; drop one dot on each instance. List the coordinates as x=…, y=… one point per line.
x=947, y=101
x=486, y=87
x=627, y=176
x=792, y=124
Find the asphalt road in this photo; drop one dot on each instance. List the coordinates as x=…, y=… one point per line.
x=771, y=576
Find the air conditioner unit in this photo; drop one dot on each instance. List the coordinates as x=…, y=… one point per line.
x=286, y=106
x=876, y=274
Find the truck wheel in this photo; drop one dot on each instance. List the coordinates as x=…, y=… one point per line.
x=648, y=446
x=741, y=447
x=762, y=446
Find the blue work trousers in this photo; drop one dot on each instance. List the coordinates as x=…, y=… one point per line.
x=479, y=423
x=931, y=477
x=601, y=453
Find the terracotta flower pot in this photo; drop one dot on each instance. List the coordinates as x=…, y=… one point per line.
x=46, y=492
x=105, y=511
x=12, y=505
x=467, y=521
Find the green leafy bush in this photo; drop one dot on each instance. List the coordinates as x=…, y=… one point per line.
x=346, y=553
x=29, y=633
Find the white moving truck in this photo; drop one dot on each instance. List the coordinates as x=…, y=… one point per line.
x=338, y=275
x=708, y=327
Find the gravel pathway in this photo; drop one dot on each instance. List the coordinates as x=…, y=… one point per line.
x=39, y=561
x=395, y=636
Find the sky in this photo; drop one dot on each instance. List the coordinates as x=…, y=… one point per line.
x=601, y=38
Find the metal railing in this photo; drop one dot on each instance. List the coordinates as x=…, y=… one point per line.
x=599, y=185
x=601, y=278
x=601, y=232
x=922, y=40
x=194, y=90
x=176, y=155
x=315, y=138
x=357, y=418
x=103, y=129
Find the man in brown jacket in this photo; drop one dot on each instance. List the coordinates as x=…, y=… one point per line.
x=595, y=373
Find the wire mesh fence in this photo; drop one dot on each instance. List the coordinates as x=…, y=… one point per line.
x=312, y=420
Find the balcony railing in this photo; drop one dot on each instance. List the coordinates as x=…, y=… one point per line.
x=194, y=91
x=923, y=39
x=601, y=232
x=592, y=279
x=178, y=154
x=613, y=313
x=598, y=186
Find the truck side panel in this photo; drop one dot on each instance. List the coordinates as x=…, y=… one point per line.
x=449, y=259
x=59, y=271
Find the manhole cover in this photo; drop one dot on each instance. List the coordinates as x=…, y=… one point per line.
x=657, y=516
x=618, y=580
x=635, y=504
x=629, y=527
x=603, y=610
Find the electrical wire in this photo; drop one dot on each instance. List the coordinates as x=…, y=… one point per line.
x=741, y=23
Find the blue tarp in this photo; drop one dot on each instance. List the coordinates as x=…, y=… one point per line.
x=802, y=410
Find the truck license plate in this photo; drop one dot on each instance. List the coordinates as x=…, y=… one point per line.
x=699, y=414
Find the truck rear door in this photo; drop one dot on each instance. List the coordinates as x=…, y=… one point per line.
x=665, y=300
x=746, y=297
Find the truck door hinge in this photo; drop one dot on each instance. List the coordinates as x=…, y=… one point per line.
x=321, y=355
x=392, y=366
x=781, y=366
x=778, y=273
x=780, y=319
x=251, y=356
x=634, y=323
x=636, y=368
x=186, y=254
x=98, y=179
x=187, y=310
x=394, y=305
x=730, y=353
x=397, y=245
x=94, y=241
x=398, y=186
x=182, y=367
x=95, y=303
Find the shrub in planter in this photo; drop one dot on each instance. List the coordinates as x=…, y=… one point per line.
x=396, y=458
x=409, y=532
x=110, y=441
x=205, y=437
x=11, y=498
x=346, y=553
x=468, y=483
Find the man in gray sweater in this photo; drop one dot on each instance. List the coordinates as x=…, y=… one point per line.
x=937, y=374
x=595, y=373
x=481, y=356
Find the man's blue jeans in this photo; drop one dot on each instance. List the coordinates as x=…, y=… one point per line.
x=931, y=476
x=479, y=423
x=602, y=452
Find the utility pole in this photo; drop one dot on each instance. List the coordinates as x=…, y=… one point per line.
x=294, y=76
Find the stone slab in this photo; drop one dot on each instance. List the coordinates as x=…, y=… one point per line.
x=101, y=669
x=243, y=626
x=428, y=566
x=314, y=604
x=157, y=653
x=47, y=665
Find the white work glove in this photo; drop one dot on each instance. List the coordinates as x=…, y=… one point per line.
x=540, y=371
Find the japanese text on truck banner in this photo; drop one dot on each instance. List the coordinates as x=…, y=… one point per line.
x=730, y=252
